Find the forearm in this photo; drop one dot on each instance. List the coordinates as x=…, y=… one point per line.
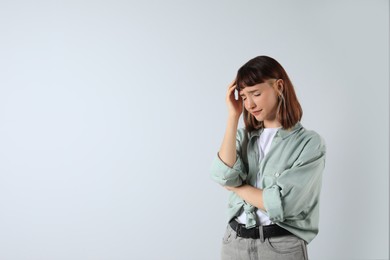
x=227, y=151
x=250, y=194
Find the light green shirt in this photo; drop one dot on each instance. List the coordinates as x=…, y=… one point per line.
x=290, y=177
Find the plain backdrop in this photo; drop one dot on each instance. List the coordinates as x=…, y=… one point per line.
x=111, y=113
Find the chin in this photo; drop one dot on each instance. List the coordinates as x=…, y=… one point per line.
x=259, y=118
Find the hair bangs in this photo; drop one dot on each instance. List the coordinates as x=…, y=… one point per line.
x=248, y=76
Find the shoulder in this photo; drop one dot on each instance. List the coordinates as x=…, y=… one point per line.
x=311, y=139
x=244, y=135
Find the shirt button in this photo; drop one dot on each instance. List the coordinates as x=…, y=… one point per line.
x=277, y=174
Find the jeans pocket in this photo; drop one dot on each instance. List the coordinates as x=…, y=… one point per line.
x=228, y=236
x=285, y=244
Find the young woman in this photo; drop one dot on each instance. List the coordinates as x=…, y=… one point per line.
x=273, y=167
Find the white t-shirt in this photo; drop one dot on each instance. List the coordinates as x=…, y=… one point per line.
x=264, y=143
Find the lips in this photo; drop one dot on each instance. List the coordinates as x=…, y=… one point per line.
x=257, y=112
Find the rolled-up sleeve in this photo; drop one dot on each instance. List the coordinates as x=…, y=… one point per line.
x=294, y=192
x=230, y=176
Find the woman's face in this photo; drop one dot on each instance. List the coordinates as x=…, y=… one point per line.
x=261, y=101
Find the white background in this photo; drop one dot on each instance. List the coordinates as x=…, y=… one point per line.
x=111, y=113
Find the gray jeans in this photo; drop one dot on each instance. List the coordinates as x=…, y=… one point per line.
x=287, y=247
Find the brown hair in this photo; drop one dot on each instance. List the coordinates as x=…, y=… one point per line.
x=259, y=70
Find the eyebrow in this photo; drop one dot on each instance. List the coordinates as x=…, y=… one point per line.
x=250, y=92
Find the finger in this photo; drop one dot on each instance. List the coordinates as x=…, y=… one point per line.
x=231, y=94
x=231, y=89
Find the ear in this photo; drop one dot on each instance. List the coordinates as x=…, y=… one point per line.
x=279, y=86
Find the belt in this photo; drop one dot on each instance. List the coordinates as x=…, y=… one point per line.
x=268, y=231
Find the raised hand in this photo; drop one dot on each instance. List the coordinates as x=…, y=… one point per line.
x=234, y=105
x=227, y=152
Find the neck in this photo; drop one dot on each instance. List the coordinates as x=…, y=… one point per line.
x=272, y=124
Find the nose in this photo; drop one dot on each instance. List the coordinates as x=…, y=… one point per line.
x=251, y=104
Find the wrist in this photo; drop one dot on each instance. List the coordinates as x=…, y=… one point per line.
x=234, y=118
x=232, y=123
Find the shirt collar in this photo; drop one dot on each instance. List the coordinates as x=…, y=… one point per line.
x=283, y=133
